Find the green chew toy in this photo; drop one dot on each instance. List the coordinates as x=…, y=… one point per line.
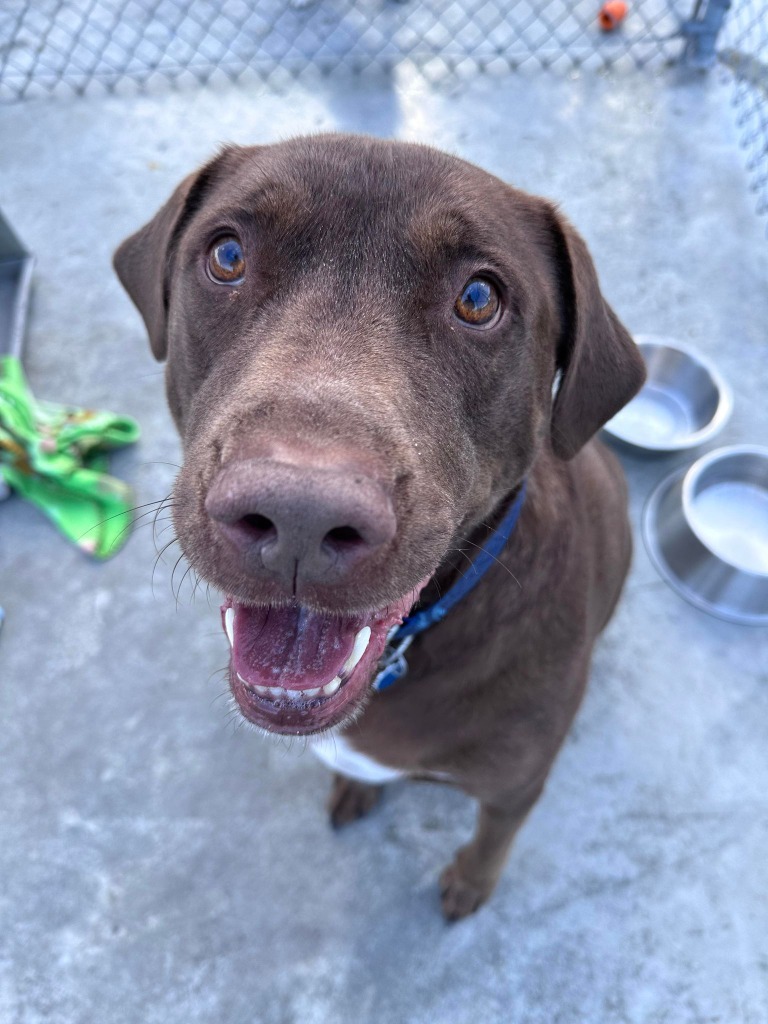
x=54, y=456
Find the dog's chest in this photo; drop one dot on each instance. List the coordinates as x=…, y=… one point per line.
x=340, y=756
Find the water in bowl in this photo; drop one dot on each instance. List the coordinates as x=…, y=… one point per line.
x=656, y=416
x=731, y=518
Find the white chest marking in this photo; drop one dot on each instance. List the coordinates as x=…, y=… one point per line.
x=341, y=757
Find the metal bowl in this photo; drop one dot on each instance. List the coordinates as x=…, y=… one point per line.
x=683, y=403
x=706, y=530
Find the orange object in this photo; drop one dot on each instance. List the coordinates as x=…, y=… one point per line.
x=612, y=14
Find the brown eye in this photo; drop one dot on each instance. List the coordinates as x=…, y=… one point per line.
x=479, y=303
x=226, y=263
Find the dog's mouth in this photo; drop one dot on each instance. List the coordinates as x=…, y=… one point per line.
x=298, y=671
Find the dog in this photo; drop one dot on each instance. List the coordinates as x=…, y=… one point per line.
x=387, y=367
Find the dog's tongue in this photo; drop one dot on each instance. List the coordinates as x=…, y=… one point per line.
x=291, y=647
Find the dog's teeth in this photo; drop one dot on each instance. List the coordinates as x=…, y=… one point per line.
x=229, y=625
x=279, y=693
x=330, y=688
x=358, y=650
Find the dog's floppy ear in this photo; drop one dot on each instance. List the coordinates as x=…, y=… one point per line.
x=600, y=366
x=142, y=262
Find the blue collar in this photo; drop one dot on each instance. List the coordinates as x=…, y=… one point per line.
x=393, y=665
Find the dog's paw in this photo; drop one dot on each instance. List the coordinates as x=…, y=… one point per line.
x=458, y=896
x=350, y=800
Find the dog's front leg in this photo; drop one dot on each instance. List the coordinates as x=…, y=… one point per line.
x=350, y=800
x=468, y=882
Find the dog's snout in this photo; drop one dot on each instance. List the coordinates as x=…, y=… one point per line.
x=298, y=521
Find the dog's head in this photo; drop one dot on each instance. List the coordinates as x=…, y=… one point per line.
x=361, y=340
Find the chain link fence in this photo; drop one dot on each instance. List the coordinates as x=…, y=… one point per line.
x=50, y=47
x=743, y=49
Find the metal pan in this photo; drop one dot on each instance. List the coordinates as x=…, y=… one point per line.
x=15, y=283
x=706, y=531
x=684, y=402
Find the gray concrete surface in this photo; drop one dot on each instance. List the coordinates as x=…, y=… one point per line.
x=160, y=865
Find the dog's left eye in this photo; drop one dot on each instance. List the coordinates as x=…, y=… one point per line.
x=226, y=263
x=478, y=303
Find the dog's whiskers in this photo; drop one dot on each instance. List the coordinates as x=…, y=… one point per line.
x=498, y=560
x=132, y=519
x=160, y=553
x=176, y=565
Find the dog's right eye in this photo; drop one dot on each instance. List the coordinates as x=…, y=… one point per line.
x=479, y=303
x=226, y=263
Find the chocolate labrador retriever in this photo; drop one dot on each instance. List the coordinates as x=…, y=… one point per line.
x=378, y=356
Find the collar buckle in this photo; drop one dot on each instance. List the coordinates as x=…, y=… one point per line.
x=393, y=665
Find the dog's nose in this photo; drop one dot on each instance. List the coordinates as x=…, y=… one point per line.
x=301, y=522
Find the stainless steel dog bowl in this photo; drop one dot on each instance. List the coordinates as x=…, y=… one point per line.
x=706, y=530
x=683, y=403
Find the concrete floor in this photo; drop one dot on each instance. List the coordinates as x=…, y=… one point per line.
x=158, y=864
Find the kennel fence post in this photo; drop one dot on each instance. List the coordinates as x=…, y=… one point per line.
x=701, y=32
